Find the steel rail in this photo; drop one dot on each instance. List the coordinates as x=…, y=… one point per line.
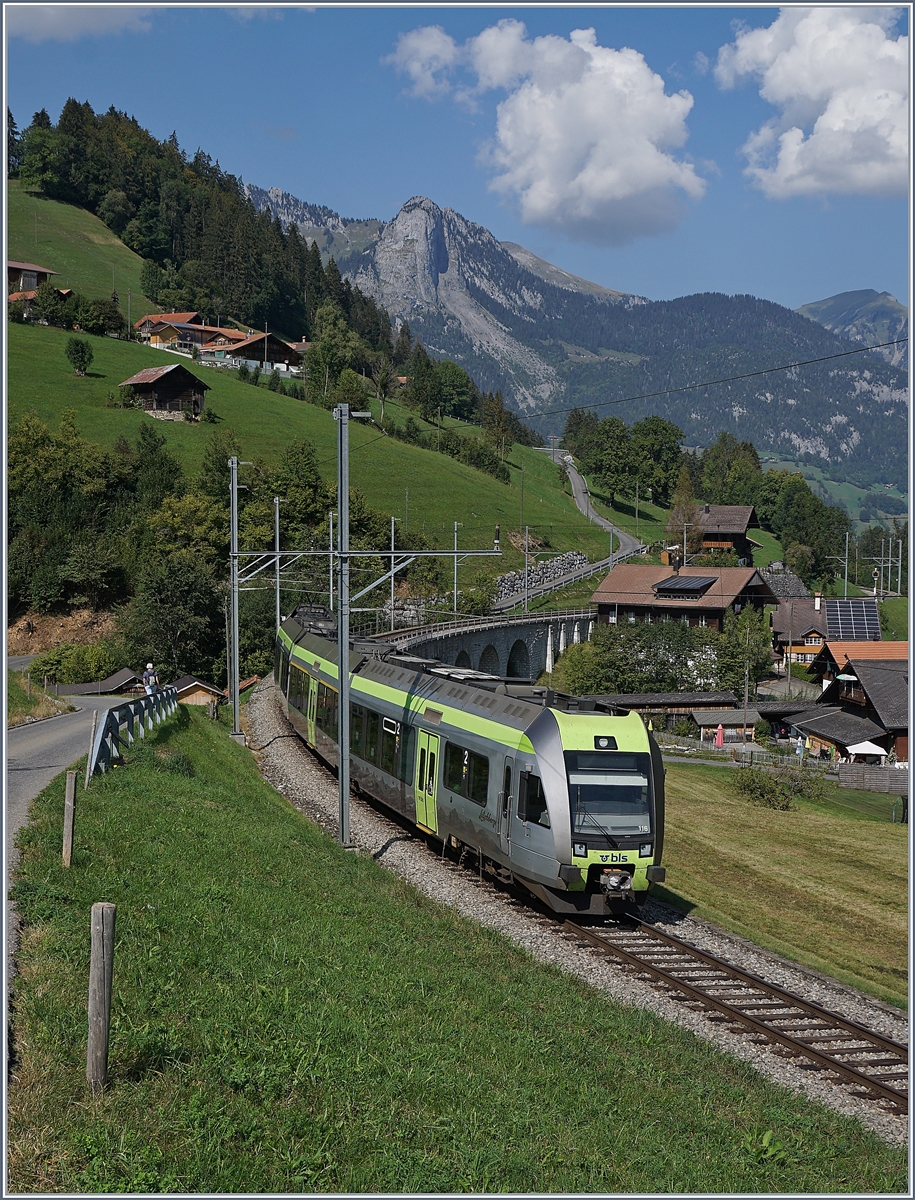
x=895, y=1054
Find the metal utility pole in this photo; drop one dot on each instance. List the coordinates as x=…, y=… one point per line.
x=393, y=519
x=342, y=417
x=845, y=593
x=276, y=539
x=899, y=573
x=457, y=525
x=330, y=561
x=637, y=538
x=526, y=556
x=522, y=492
x=234, y=464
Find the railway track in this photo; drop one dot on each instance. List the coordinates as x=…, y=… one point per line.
x=871, y=1065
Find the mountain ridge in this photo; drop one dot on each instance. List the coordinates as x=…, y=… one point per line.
x=551, y=342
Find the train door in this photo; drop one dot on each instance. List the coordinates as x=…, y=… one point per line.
x=312, y=707
x=505, y=802
x=427, y=780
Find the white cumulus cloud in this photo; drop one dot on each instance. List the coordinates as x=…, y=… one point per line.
x=840, y=81
x=585, y=138
x=69, y=22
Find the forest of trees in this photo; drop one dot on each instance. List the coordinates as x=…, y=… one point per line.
x=649, y=453
x=127, y=529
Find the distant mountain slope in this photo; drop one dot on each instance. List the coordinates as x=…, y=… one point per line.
x=335, y=235
x=866, y=316
x=551, y=341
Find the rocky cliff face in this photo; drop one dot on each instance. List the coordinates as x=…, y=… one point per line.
x=450, y=279
x=340, y=236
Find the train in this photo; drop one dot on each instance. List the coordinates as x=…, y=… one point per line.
x=559, y=794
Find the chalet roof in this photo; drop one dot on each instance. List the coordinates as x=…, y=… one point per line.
x=186, y=682
x=728, y=717
x=114, y=684
x=661, y=700
x=24, y=266
x=840, y=652
x=725, y=518
x=185, y=318
x=886, y=685
x=842, y=728
x=634, y=584
x=154, y=374
x=785, y=584
x=797, y=618
x=29, y=295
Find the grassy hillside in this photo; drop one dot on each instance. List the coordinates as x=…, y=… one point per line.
x=288, y=1017
x=83, y=251
x=442, y=491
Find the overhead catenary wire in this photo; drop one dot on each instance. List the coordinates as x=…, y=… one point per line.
x=689, y=387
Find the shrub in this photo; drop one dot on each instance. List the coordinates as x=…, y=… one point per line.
x=70, y=663
x=16, y=312
x=764, y=788
x=79, y=354
x=243, y=373
x=683, y=728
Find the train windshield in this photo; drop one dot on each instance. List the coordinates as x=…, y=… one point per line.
x=609, y=792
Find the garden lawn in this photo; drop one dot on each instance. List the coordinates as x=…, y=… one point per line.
x=288, y=1017
x=825, y=884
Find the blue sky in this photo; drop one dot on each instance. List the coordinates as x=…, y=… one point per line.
x=670, y=151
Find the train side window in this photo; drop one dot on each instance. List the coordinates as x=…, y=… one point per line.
x=371, y=736
x=421, y=774
x=532, y=805
x=357, y=730
x=430, y=785
x=390, y=735
x=506, y=788
x=477, y=777
x=454, y=768
x=326, y=715
x=407, y=754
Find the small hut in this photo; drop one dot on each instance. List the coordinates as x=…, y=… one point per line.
x=169, y=393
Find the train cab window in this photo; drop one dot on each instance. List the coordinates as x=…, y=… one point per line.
x=609, y=792
x=466, y=773
x=532, y=806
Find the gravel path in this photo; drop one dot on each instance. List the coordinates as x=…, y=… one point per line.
x=301, y=777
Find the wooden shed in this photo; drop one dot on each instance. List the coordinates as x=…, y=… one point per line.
x=170, y=393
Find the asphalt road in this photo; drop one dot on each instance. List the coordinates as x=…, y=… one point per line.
x=627, y=543
x=36, y=753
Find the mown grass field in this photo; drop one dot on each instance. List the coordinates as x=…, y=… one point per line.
x=442, y=491
x=824, y=884
x=24, y=701
x=896, y=615
x=83, y=251
x=288, y=1017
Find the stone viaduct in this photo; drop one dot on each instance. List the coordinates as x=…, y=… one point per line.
x=522, y=647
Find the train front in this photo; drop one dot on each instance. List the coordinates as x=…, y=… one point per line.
x=609, y=831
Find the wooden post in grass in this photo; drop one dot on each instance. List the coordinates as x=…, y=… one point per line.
x=69, y=807
x=28, y=678
x=91, y=745
x=100, y=965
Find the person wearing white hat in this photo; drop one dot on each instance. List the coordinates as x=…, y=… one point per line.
x=150, y=679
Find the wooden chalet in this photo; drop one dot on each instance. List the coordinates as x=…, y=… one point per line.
x=800, y=628
x=694, y=595
x=834, y=657
x=260, y=350
x=151, y=321
x=664, y=709
x=724, y=529
x=192, y=690
x=875, y=690
x=170, y=393
x=25, y=277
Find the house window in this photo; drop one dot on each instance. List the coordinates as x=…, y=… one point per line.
x=813, y=641
x=703, y=620
x=29, y=281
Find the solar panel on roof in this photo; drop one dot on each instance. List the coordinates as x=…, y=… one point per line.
x=685, y=583
x=852, y=620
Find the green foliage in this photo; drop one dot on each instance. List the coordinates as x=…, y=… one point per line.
x=744, y=649
x=619, y=456
x=79, y=354
x=477, y=595
x=685, y=728
x=72, y=663
x=764, y=788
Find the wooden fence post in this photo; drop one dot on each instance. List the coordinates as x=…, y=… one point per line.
x=91, y=747
x=69, y=807
x=100, y=968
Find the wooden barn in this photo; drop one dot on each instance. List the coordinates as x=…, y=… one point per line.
x=170, y=393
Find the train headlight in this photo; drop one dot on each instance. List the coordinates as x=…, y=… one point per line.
x=645, y=850
x=580, y=850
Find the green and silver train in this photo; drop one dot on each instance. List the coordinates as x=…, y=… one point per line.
x=559, y=794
